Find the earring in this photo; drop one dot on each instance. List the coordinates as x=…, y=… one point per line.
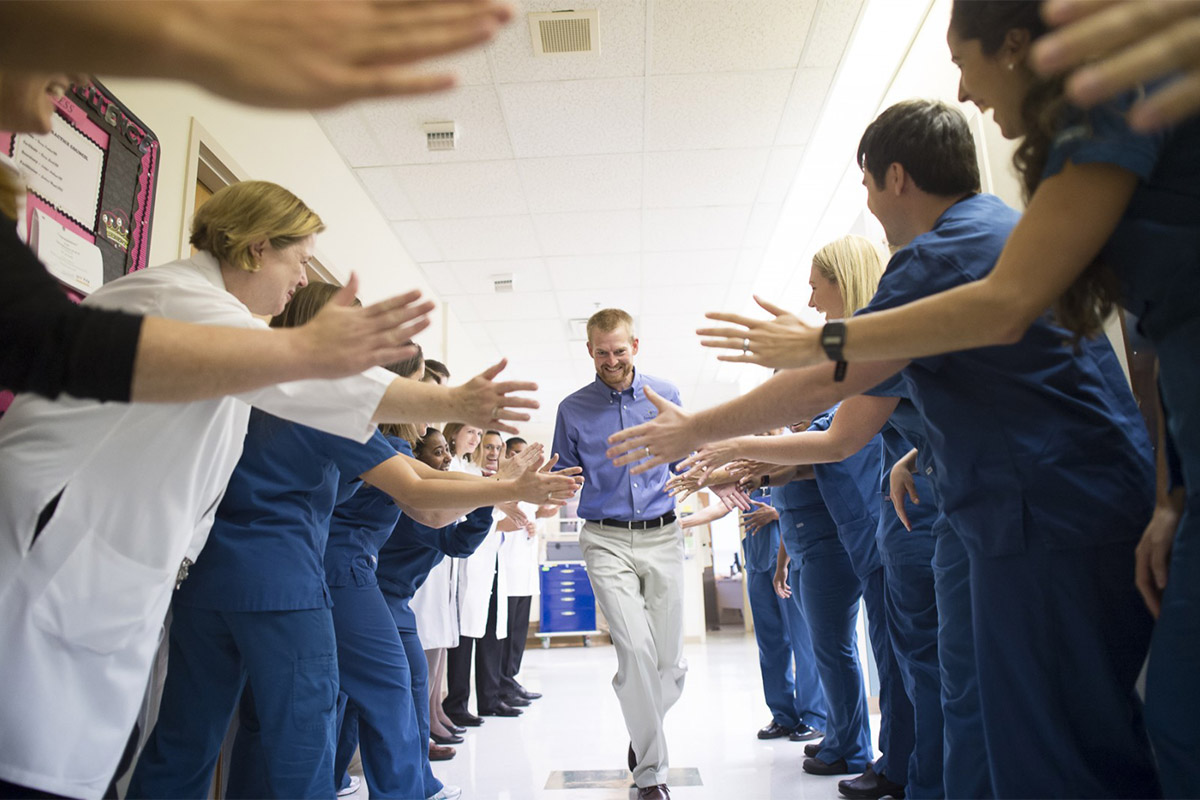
x=1011, y=65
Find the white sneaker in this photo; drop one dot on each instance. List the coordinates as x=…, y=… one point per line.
x=355, y=782
x=448, y=792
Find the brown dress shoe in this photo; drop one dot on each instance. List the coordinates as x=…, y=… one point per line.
x=659, y=792
x=439, y=752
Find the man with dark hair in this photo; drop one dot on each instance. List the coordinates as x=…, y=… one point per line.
x=631, y=543
x=1044, y=472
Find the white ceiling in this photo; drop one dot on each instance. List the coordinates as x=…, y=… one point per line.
x=649, y=176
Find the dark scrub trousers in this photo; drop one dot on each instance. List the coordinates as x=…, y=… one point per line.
x=850, y=489
x=405, y=560
x=1155, y=252
x=256, y=607
x=792, y=693
x=1044, y=470
x=827, y=591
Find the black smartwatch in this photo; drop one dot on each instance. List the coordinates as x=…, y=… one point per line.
x=833, y=339
x=766, y=480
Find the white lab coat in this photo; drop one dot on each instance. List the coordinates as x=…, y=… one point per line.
x=81, y=606
x=519, y=555
x=435, y=605
x=475, y=575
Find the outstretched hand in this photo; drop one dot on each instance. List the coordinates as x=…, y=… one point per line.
x=783, y=342
x=343, y=339
x=539, y=485
x=486, y=404
x=662, y=440
x=514, y=465
x=762, y=515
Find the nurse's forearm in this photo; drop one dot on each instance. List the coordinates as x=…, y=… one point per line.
x=431, y=518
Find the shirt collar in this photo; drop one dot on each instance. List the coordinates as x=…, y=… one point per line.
x=636, y=388
x=208, y=266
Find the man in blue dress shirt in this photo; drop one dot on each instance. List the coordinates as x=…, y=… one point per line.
x=631, y=543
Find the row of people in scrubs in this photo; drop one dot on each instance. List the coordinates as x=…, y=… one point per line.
x=1054, y=553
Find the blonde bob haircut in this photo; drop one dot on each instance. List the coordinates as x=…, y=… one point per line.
x=855, y=264
x=609, y=319
x=242, y=214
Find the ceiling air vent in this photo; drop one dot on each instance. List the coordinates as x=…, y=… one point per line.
x=565, y=32
x=577, y=329
x=503, y=284
x=440, y=135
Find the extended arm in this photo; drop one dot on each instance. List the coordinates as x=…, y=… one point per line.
x=707, y=514
x=480, y=401
x=397, y=478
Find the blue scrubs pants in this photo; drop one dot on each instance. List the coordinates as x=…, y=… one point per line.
x=290, y=660
x=965, y=770
x=1060, y=637
x=913, y=622
x=419, y=669
x=375, y=675
x=896, y=726
x=828, y=592
x=1172, y=685
x=794, y=695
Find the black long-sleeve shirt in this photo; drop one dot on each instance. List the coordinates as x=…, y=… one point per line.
x=49, y=345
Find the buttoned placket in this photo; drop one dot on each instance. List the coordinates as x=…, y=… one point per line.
x=619, y=397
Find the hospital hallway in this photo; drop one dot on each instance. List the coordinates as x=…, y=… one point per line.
x=570, y=745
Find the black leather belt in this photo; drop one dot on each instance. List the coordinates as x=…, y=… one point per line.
x=637, y=524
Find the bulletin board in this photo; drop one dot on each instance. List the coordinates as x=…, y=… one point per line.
x=91, y=184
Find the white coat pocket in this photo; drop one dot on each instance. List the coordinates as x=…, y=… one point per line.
x=99, y=599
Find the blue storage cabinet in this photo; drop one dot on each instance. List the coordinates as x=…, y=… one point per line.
x=568, y=605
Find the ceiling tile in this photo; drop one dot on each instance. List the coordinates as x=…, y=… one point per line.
x=585, y=232
x=763, y=221
x=582, y=183
x=607, y=271
x=484, y=237
x=698, y=112
x=694, y=228
x=804, y=105
x=654, y=329
x=680, y=267
x=831, y=33
x=396, y=125
x=464, y=189
x=710, y=36
x=704, y=177
x=417, y=241
x=581, y=304
x=382, y=185
x=689, y=300
x=476, y=277
x=347, y=129
x=566, y=118
x=622, y=46
x=441, y=279
x=470, y=68
x=515, y=306
x=782, y=167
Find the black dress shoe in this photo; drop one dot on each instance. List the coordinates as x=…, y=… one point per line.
x=659, y=792
x=811, y=750
x=804, y=733
x=773, y=731
x=453, y=738
x=501, y=710
x=456, y=729
x=870, y=786
x=528, y=695
x=467, y=719
x=815, y=766
x=516, y=701
x=631, y=758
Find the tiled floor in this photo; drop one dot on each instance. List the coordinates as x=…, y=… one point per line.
x=577, y=726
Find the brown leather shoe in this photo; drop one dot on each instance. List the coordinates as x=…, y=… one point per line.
x=659, y=792
x=439, y=752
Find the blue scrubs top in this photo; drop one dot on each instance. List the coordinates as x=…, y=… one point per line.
x=1155, y=249
x=850, y=489
x=360, y=525
x=805, y=526
x=1034, y=436
x=413, y=549
x=267, y=545
x=761, y=548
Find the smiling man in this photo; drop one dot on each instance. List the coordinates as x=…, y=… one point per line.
x=631, y=543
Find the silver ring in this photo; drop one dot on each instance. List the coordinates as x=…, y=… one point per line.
x=648, y=453
x=745, y=346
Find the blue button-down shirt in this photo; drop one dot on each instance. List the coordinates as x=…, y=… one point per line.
x=585, y=421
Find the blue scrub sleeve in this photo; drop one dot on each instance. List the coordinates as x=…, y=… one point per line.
x=351, y=457
x=1102, y=136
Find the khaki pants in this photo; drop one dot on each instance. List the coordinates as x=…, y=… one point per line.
x=637, y=577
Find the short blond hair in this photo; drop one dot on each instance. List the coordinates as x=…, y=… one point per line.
x=241, y=214
x=855, y=264
x=609, y=319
